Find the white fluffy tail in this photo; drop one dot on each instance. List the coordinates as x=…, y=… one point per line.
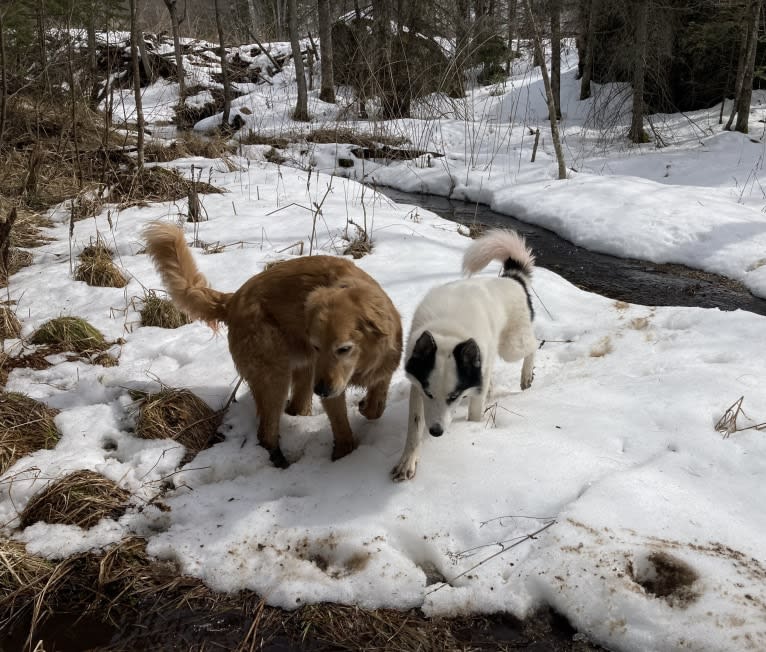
x=508, y=247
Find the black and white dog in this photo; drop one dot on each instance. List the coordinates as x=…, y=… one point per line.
x=457, y=331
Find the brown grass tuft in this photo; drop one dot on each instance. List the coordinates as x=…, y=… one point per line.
x=97, y=268
x=473, y=230
x=351, y=628
x=359, y=246
x=189, y=144
x=26, y=425
x=180, y=415
x=152, y=184
x=26, y=230
x=70, y=334
x=81, y=498
x=160, y=312
x=273, y=155
x=10, y=326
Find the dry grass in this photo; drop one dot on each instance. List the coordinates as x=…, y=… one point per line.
x=17, y=260
x=133, y=187
x=189, y=144
x=81, y=498
x=352, y=629
x=26, y=425
x=10, y=326
x=359, y=246
x=70, y=334
x=273, y=155
x=19, y=570
x=26, y=230
x=254, y=138
x=180, y=415
x=473, y=230
x=148, y=605
x=160, y=312
x=324, y=135
x=97, y=268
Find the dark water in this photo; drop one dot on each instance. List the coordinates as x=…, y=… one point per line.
x=625, y=279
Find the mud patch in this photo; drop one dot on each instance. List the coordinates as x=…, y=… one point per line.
x=602, y=347
x=664, y=576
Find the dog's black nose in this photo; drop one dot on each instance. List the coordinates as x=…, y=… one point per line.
x=436, y=430
x=322, y=389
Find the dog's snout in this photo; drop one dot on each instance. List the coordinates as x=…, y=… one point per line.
x=436, y=430
x=322, y=389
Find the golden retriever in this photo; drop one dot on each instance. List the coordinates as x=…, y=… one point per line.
x=317, y=322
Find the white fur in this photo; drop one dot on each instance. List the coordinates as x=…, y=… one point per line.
x=492, y=311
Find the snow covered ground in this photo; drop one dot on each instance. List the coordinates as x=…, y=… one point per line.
x=655, y=537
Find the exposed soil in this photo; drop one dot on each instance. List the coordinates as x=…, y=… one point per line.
x=187, y=630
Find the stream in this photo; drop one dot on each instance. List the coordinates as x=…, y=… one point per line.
x=624, y=279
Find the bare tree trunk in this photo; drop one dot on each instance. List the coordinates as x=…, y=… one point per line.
x=92, y=58
x=548, y=93
x=252, y=26
x=327, y=92
x=134, y=36
x=741, y=58
x=4, y=80
x=42, y=28
x=73, y=102
x=302, y=106
x=590, y=38
x=512, y=6
x=146, y=64
x=224, y=67
x=555, y=10
x=175, y=23
x=746, y=92
x=462, y=36
x=641, y=14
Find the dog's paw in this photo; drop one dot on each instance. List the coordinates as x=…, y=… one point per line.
x=405, y=470
x=339, y=451
x=278, y=459
x=372, y=408
x=526, y=381
x=295, y=410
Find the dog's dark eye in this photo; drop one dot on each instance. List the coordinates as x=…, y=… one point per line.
x=315, y=347
x=342, y=350
x=453, y=397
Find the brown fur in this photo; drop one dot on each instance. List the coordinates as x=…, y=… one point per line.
x=288, y=327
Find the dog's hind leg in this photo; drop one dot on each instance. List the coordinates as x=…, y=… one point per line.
x=528, y=371
x=341, y=429
x=270, y=390
x=302, y=382
x=408, y=464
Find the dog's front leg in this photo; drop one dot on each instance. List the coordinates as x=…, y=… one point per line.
x=528, y=371
x=341, y=429
x=477, y=404
x=408, y=463
x=374, y=402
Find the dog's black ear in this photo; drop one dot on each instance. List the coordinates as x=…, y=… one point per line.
x=468, y=362
x=422, y=358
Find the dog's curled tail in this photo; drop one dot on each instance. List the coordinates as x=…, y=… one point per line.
x=188, y=288
x=508, y=247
